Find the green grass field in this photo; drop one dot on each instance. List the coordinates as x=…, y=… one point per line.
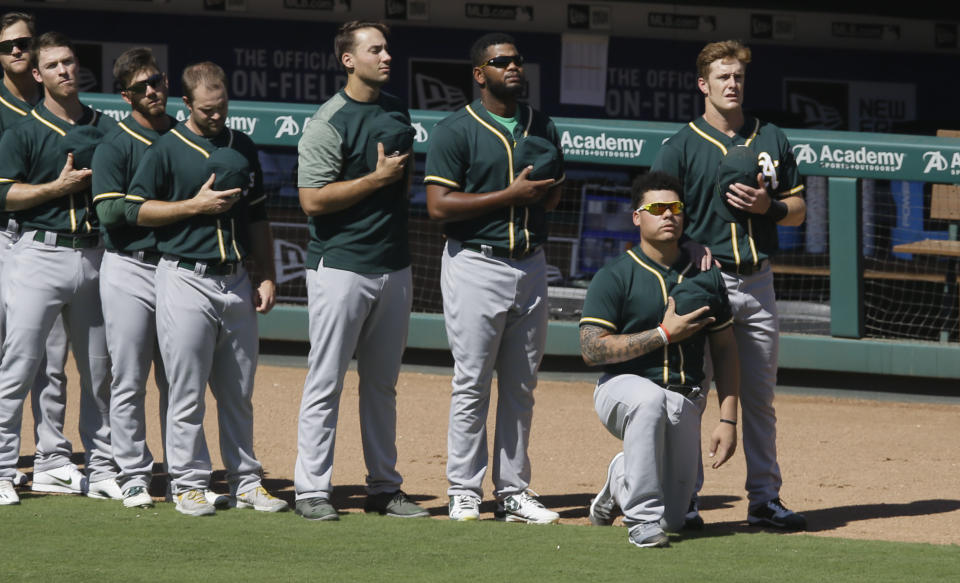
x=63, y=538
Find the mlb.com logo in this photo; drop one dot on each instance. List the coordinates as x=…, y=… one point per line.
x=935, y=161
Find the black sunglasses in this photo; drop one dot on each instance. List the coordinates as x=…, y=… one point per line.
x=155, y=81
x=22, y=43
x=502, y=62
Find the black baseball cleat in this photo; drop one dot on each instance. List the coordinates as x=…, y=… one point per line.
x=693, y=520
x=774, y=514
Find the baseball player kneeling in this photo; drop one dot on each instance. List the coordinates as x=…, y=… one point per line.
x=645, y=319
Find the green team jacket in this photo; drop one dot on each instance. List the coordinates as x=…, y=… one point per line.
x=370, y=236
x=30, y=152
x=693, y=155
x=471, y=152
x=173, y=169
x=114, y=163
x=629, y=295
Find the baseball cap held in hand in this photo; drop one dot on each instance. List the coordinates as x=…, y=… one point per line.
x=692, y=293
x=82, y=141
x=393, y=130
x=739, y=165
x=232, y=169
x=539, y=153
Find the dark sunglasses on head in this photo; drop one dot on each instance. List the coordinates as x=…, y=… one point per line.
x=504, y=61
x=658, y=208
x=22, y=43
x=155, y=81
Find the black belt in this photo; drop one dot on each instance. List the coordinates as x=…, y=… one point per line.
x=151, y=257
x=744, y=268
x=688, y=392
x=501, y=252
x=70, y=241
x=210, y=268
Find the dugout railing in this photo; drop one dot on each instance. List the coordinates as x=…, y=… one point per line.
x=849, y=301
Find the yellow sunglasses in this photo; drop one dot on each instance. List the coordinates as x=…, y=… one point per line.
x=658, y=208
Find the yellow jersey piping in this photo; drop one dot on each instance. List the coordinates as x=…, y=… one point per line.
x=12, y=106
x=443, y=181
x=601, y=321
x=107, y=195
x=189, y=143
x=33, y=112
x=509, y=150
x=134, y=134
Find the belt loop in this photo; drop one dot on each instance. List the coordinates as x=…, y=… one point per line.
x=486, y=250
x=139, y=255
x=199, y=268
x=50, y=238
x=12, y=226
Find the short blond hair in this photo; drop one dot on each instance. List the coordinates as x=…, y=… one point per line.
x=207, y=73
x=718, y=51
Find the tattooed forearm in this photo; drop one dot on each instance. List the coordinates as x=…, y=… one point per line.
x=599, y=346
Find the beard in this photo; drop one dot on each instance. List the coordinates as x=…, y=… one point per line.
x=505, y=92
x=152, y=111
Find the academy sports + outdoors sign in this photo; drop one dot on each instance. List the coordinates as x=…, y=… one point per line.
x=629, y=143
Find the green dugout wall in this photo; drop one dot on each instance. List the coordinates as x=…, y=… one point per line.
x=845, y=158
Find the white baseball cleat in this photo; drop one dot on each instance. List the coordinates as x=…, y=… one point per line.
x=194, y=503
x=464, y=507
x=137, y=497
x=524, y=508
x=8, y=496
x=106, y=489
x=63, y=480
x=221, y=501
x=259, y=499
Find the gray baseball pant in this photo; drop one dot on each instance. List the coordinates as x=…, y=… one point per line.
x=128, y=292
x=495, y=312
x=207, y=329
x=756, y=326
x=366, y=314
x=48, y=397
x=660, y=429
x=44, y=281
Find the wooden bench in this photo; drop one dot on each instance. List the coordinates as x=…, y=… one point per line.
x=944, y=204
x=786, y=269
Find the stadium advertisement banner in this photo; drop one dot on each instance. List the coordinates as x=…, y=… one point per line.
x=621, y=143
x=851, y=105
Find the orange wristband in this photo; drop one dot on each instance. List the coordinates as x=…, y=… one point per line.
x=665, y=333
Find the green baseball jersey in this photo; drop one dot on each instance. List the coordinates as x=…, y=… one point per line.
x=13, y=110
x=114, y=164
x=174, y=169
x=31, y=152
x=693, y=155
x=371, y=235
x=471, y=152
x=629, y=295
